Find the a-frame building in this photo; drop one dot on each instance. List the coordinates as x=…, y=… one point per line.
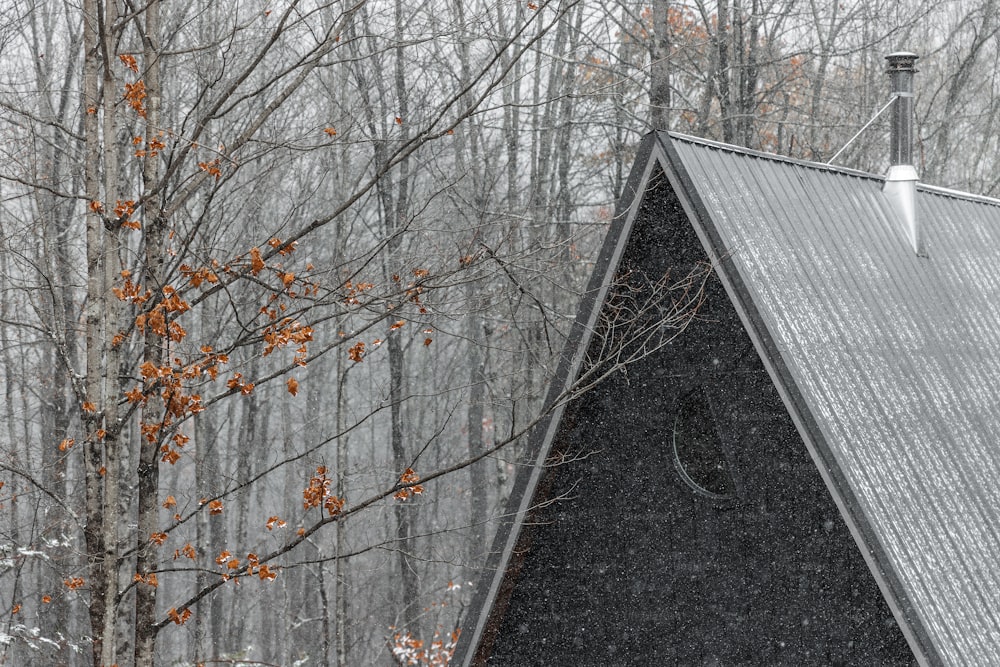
x=809, y=473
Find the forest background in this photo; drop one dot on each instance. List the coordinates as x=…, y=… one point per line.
x=283, y=282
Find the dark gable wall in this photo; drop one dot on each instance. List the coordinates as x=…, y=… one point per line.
x=633, y=565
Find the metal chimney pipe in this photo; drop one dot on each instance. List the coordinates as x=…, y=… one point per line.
x=900, y=186
x=901, y=71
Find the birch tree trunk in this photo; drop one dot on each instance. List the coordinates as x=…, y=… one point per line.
x=153, y=352
x=101, y=455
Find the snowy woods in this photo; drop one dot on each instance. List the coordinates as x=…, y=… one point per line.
x=282, y=282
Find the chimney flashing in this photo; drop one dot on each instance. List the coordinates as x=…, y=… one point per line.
x=900, y=189
x=902, y=172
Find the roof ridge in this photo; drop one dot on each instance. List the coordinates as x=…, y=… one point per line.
x=822, y=166
x=733, y=148
x=942, y=191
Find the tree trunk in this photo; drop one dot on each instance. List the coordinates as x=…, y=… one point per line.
x=659, y=86
x=148, y=473
x=101, y=551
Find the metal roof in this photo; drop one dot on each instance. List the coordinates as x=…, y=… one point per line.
x=888, y=362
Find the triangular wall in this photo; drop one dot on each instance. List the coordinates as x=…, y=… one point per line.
x=688, y=524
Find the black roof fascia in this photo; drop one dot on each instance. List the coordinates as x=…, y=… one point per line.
x=721, y=257
x=489, y=602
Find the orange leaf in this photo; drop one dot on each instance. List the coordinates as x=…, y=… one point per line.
x=428, y=341
x=66, y=444
x=88, y=406
x=215, y=507
x=16, y=609
x=409, y=476
x=330, y=131
x=129, y=61
x=149, y=579
x=169, y=502
x=73, y=583
x=135, y=93
x=170, y=456
x=211, y=167
x=46, y=599
x=293, y=386
x=158, y=538
x=180, y=618
x=256, y=262
x=333, y=505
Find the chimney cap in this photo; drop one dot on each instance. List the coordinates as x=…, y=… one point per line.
x=901, y=60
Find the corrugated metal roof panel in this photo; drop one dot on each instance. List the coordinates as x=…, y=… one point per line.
x=896, y=357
